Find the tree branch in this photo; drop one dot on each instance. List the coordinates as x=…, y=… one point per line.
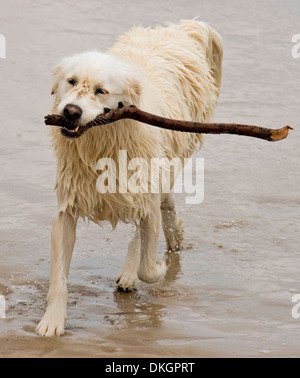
x=132, y=112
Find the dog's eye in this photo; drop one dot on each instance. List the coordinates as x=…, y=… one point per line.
x=100, y=91
x=72, y=82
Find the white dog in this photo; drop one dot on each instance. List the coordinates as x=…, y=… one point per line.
x=172, y=71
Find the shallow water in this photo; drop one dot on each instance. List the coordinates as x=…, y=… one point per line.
x=229, y=293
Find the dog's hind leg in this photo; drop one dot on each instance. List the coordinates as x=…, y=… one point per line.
x=128, y=277
x=63, y=238
x=151, y=270
x=172, y=226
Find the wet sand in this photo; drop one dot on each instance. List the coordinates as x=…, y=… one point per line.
x=229, y=293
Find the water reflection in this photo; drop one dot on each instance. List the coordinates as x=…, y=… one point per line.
x=143, y=308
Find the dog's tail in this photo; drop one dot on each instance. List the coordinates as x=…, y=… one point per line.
x=211, y=41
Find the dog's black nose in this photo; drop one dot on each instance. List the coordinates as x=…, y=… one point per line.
x=72, y=112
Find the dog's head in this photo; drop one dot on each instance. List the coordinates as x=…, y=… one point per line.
x=88, y=83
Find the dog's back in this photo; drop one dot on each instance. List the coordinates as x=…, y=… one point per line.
x=184, y=62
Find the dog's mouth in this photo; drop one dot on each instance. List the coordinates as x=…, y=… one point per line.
x=72, y=131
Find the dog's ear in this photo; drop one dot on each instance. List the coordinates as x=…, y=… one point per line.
x=57, y=73
x=133, y=87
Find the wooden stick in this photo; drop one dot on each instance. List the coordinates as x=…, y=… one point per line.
x=132, y=112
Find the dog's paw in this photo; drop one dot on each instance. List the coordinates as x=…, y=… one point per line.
x=51, y=325
x=155, y=274
x=127, y=282
x=175, y=239
x=161, y=270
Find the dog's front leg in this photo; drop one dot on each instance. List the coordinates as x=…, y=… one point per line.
x=127, y=277
x=62, y=244
x=151, y=270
